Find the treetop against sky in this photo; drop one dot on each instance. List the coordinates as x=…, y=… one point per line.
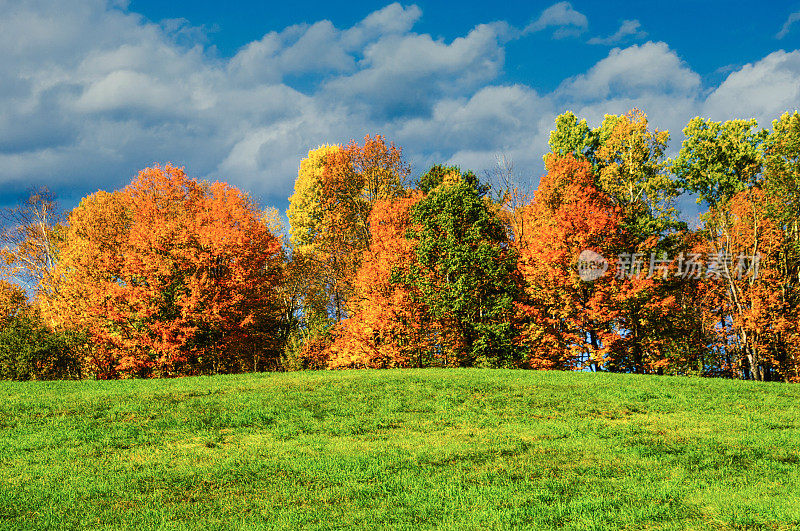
x=94, y=91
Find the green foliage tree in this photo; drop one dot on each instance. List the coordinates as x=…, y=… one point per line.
x=782, y=173
x=29, y=350
x=438, y=173
x=572, y=137
x=464, y=273
x=719, y=159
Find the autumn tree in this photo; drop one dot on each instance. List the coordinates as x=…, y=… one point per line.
x=747, y=178
x=717, y=161
x=782, y=194
x=309, y=240
x=751, y=307
x=510, y=194
x=169, y=276
x=305, y=335
x=567, y=323
x=29, y=239
x=425, y=294
x=629, y=169
x=389, y=327
x=335, y=192
x=628, y=164
x=781, y=170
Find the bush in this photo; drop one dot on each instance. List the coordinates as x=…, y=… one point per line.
x=31, y=351
x=306, y=351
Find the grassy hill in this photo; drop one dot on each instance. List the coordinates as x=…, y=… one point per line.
x=456, y=449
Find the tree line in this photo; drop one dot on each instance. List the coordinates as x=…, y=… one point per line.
x=173, y=276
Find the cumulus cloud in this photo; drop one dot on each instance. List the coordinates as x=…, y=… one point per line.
x=319, y=48
x=393, y=19
x=567, y=21
x=760, y=90
x=129, y=91
x=92, y=94
x=629, y=28
x=494, y=118
x=405, y=74
x=315, y=48
x=794, y=17
x=634, y=71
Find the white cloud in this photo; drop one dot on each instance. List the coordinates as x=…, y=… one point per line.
x=297, y=49
x=761, y=90
x=393, y=19
x=406, y=74
x=634, y=71
x=567, y=21
x=320, y=47
x=794, y=17
x=512, y=120
x=92, y=94
x=494, y=118
x=627, y=29
x=124, y=89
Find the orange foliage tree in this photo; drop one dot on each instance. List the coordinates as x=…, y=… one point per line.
x=170, y=276
x=566, y=323
x=750, y=179
x=388, y=328
x=653, y=313
x=756, y=324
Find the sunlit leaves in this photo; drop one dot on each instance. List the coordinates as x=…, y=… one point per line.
x=719, y=159
x=565, y=322
x=335, y=192
x=169, y=275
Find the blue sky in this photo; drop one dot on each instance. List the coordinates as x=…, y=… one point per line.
x=93, y=91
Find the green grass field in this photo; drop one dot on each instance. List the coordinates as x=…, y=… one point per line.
x=452, y=449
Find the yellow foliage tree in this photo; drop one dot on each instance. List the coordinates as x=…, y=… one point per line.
x=335, y=192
